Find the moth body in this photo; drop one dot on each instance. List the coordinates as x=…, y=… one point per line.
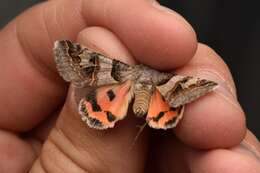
x=159, y=97
x=146, y=79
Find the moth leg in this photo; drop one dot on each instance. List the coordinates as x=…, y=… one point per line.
x=106, y=105
x=160, y=115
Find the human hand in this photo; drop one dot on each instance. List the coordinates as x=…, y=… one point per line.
x=33, y=95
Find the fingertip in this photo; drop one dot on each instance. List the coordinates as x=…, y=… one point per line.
x=212, y=122
x=217, y=119
x=168, y=40
x=184, y=44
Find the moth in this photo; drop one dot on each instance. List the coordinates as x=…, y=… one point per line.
x=159, y=97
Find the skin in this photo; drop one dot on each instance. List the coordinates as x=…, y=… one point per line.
x=40, y=133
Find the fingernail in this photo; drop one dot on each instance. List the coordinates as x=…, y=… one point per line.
x=160, y=7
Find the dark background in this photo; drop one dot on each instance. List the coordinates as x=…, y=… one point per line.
x=231, y=28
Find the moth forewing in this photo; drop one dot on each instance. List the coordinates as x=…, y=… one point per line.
x=68, y=62
x=193, y=92
x=170, y=85
x=181, y=90
x=83, y=67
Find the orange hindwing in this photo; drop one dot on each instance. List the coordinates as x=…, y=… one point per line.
x=160, y=115
x=103, y=107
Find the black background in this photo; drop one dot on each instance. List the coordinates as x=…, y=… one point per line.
x=231, y=28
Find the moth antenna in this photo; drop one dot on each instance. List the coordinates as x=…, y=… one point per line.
x=141, y=129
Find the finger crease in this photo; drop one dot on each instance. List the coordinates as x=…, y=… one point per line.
x=64, y=136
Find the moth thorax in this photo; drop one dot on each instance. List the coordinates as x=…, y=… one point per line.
x=141, y=102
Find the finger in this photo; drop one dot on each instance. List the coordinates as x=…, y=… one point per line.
x=32, y=87
x=32, y=90
x=74, y=147
x=181, y=158
x=154, y=34
x=216, y=120
x=16, y=154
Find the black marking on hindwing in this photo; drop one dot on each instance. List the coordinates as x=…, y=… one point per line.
x=84, y=109
x=110, y=116
x=92, y=99
x=94, y=122
x=111, y=95
x=159, y=116
x=171, y=121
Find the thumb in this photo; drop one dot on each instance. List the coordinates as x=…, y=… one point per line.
x=74, y=147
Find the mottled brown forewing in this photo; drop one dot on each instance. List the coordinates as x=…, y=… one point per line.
x=83, y=67
x=180, y=90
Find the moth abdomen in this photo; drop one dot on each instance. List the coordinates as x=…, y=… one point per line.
x=141, y=102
